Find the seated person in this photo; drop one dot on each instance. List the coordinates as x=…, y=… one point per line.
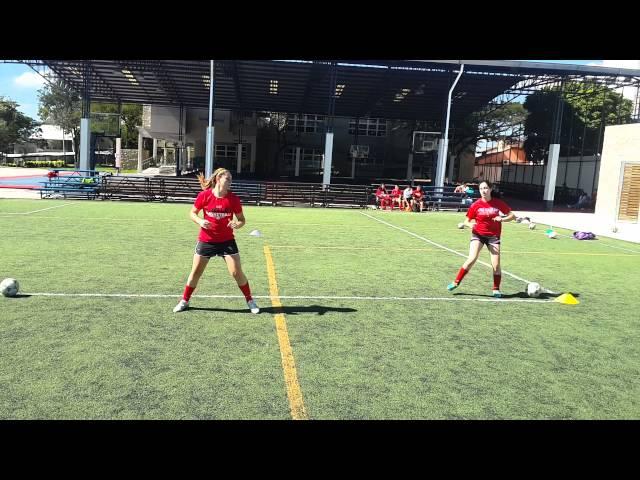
x=460, y=188
x=418, y=198
x=380, y=193
x=583, y=201
x=396, y=196
x=407, y=198
x=51, y=174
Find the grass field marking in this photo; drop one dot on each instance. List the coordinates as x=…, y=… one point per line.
x=75, y=219
x=35, y=211
x=594, y=243
x=504, y=272
x=294, y=392
x=334, y=247
x=292, y=297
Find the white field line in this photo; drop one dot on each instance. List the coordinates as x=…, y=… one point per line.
x=295, y=297
x=35, y=211
x=504, y=272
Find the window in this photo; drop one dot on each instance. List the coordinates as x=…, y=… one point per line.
x=370, y=127
x=305, y=123
x=227, y=156
x=310, y=159
x=230, y=151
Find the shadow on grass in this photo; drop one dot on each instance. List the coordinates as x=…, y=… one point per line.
x=542, y=296
x=318, y=309
x=19, y=295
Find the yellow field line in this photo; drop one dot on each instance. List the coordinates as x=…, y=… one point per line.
x=333, y=247
x=294, y=392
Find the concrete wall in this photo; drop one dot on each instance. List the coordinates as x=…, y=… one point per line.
x=571, y=170
x=621, y=144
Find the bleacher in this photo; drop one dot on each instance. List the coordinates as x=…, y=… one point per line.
x=444, y=198
x=185, y=189
x=74, y=184
x=88, y=184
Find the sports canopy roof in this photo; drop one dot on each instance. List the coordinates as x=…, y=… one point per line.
x=396, y=89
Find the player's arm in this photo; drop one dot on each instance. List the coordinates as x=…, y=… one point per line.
x=238, y=222
x=468, y=221
x=510, y=216
x=196, y=219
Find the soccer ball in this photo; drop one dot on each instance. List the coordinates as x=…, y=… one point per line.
x=533, y=289
x=461, y=225
x=532, y=226
x=9, y=287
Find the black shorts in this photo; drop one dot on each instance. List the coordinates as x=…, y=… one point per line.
x=222, y=249
x=485, y=240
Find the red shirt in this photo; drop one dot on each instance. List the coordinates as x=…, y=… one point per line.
x=380, y=192
x=483, y=212
x=219, y=212
x=396, y=192
x=417, y=194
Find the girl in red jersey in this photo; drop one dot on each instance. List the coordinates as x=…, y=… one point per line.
x=485, y=230
x=218, y=206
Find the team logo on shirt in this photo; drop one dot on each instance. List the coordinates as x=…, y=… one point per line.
x=218, y=215
x=488, y=212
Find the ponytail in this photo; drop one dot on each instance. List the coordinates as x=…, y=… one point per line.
x=211, y=181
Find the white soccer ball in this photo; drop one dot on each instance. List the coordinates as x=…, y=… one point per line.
x=532, y=226
x=9, y=287
x=533, y=289
x=461, y=225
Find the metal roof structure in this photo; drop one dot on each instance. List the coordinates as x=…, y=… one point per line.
x=393, y=89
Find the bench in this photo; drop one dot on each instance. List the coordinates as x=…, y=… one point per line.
x=77, y=184
x=128, y=187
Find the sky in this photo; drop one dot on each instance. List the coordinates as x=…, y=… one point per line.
x=20, y=83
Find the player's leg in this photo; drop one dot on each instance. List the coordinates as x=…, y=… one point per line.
x=494, y=250
x=234, y=266
x=475, y=245
x=197, y=269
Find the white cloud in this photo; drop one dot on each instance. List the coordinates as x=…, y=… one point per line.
x=29, y=80
x=621, y=63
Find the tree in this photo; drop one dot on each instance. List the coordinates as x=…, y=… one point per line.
x=502, y=123
x=61, y=105
x=586, y=107
x=131, y=118
x=14, y=125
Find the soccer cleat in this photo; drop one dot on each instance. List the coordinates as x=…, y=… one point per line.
x=181, y=306
x=253, y=306
x=497, y=294
x=452, y=286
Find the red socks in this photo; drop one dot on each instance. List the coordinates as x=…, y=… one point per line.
x=496, y=281
x=461, y=273
x=188, y=291
x=246, y=291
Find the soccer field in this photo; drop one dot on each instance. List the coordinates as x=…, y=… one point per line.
x=356, y=321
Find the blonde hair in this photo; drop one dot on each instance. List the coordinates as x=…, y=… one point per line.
x=212, y=180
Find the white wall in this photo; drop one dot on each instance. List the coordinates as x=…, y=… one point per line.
x=621, y=144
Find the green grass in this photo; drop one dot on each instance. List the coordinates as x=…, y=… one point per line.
x=68, y=357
